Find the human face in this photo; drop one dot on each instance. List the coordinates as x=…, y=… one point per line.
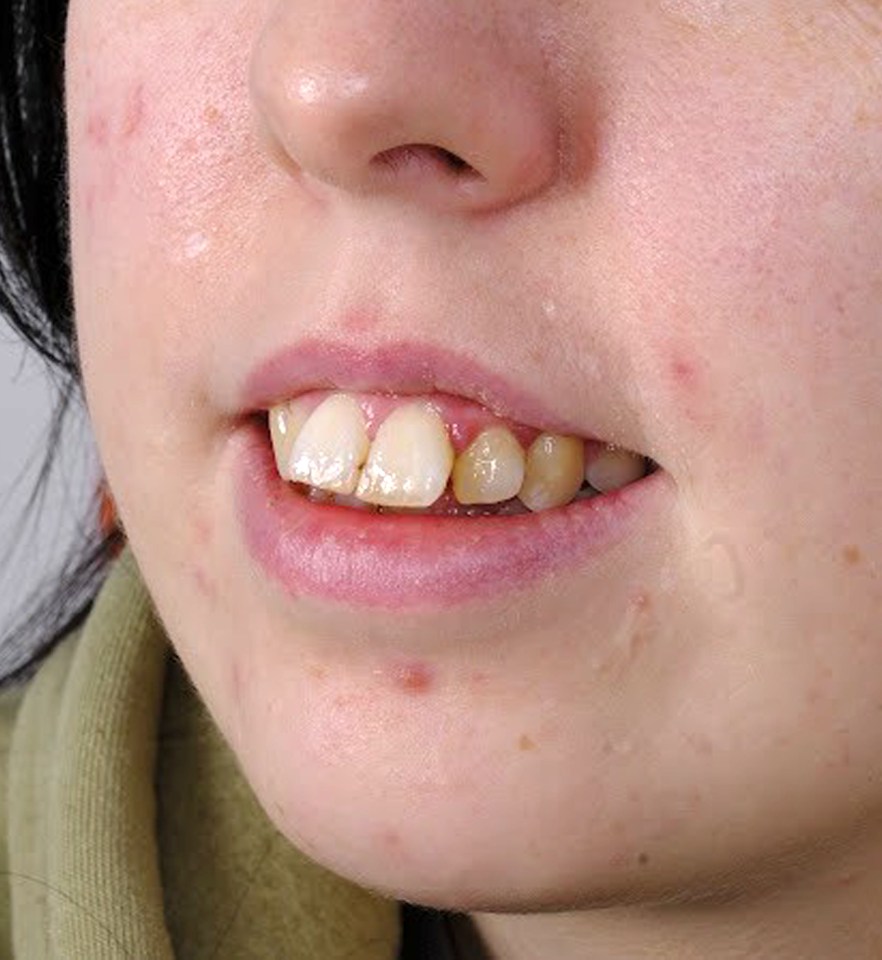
x=666, y=238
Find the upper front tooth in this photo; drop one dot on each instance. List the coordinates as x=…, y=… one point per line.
x=410, y=459
x=554, y=473
x=614, y=468
x=331, y=447
x=491, y=469
x=286, y=421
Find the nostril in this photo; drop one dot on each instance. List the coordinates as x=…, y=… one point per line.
x=397, y=158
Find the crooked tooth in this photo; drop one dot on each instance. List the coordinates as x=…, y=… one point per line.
x=555, y=470
x=410, y=460
x=614, y=468
x=286, y=421
x=490, y=469
x=331, y=446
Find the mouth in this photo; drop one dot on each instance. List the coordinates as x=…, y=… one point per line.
x=408, y=497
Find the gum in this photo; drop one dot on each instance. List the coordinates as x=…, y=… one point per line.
x=464, y=419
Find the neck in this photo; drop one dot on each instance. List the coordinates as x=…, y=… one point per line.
x=815, y=915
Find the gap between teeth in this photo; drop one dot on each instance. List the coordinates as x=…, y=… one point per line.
x=411, y=463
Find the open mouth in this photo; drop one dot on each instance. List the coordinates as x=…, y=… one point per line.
x=437, y=455
x=391, y=479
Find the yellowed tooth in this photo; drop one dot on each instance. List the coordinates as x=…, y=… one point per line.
x=286, y=421
x=614, y=468
x=490, y=469
x=410, y=459
x=555, y=469
x=331, y=446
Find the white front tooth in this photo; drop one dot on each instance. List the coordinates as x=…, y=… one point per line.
x=410, y=459
x=490, y=469
x=614, y=468
x=331, y=447
x=554, y=472
x=286, y=421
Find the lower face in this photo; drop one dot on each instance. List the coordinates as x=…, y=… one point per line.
x=602, y=701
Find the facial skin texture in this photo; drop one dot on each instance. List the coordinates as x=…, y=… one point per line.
x=682, y=253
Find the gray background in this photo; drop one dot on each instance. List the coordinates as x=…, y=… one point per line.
x=32, y=549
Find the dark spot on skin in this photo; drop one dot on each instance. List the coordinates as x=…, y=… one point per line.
x=134, y=114
x=851, y=555
x=97, y=129
x=525, y=743
x=211, y=115
x=643, y=859
x=414, y=678
x=318, y=673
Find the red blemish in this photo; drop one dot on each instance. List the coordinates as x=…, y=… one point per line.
x=390, y=839
x=134, y=114
x=204, y=583
x=97, y=129
x=359, y=321
x=684, y=372
x=412, y=677
x=479, y=678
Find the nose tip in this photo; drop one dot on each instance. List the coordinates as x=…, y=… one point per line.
x=436, y=107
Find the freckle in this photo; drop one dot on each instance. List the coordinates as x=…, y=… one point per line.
x=211, y=115
x=97, y=130
x=134, y=113
x=851, y=555
x=413, y=678
x=643, y=859
x=525, y=743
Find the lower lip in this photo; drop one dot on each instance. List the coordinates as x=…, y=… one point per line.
x=417, y=562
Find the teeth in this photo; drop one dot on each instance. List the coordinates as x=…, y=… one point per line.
x=410, y=460
x=331, y=446
x=614, y=468
x=491, y=469
x=555, y=470
x=286, y=421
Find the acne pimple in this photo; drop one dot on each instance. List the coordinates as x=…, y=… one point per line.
x=413, y=677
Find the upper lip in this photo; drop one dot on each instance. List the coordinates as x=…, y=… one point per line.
x=400, y=367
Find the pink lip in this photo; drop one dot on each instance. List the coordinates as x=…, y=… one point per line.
x=405, y=368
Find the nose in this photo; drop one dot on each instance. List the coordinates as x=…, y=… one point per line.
x=446, y=102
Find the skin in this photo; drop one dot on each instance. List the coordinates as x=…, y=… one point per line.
x=687, y=733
